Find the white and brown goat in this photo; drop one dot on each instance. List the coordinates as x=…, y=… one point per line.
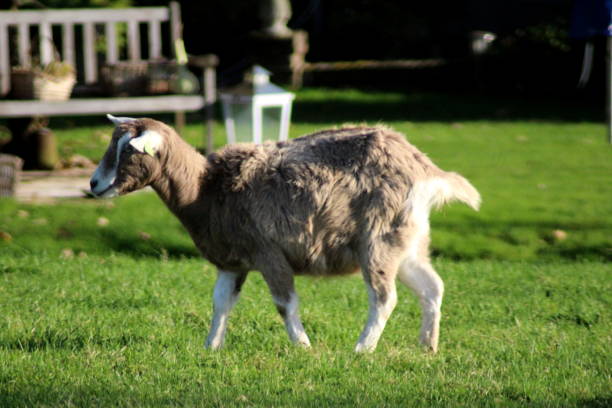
x=333, y=202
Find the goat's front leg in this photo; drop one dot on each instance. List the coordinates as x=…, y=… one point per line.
x=227, y=290
x=382, y=296
x=280, y=282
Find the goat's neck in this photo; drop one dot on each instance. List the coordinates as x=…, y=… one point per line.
x=180, y=179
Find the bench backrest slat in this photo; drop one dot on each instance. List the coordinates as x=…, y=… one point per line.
x=46, y=43
x=154, y=39
x=68, y=44
x=5, y=67
x=133, y=41
x=91, y=60
x=44, y=22
x=110, y=31
x=24, y=45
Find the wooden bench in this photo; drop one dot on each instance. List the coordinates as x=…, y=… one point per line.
x=79, y=37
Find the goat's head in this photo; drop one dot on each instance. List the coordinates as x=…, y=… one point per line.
x=131, y=161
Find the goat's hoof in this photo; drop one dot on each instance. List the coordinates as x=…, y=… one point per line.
x=429, y=348
x=212, y=346
x=305, y=344
x=362, y=348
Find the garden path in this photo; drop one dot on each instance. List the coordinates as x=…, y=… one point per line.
x=50, y=185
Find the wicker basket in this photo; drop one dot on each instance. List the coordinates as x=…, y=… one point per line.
x=125, y=78
x=128, y=78
x=10, y=167
x=28, y=84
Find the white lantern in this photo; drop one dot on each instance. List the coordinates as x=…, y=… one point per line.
x=256, y=110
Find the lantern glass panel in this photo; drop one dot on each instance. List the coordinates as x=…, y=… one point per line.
x=242, y=122
x=271, y=117
x=271, y=123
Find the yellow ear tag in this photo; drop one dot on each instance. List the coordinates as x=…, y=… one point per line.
x=149, y=142
x=149, y=148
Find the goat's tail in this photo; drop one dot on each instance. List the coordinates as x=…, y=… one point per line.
x=452, y=186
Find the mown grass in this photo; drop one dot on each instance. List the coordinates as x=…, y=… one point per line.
x=119, y=330
x=106, y=303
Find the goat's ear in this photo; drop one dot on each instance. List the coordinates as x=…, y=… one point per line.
x=117, y=121
x=148, y=142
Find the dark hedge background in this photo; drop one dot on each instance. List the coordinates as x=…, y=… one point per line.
x=533, y=53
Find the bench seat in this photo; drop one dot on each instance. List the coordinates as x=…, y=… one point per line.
x=94, y=106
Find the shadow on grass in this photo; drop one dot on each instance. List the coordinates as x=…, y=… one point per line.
x=52, y=339
x=604, y=401
x=536, y=237
x=498, y=240
x=155, y=248
x=23, y=270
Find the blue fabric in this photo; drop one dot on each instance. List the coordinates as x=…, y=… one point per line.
x=591, y=18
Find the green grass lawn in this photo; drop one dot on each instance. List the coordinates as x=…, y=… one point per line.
x=128, y=331
x=106, y=303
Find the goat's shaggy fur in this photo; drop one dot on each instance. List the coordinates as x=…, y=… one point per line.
x=333, y=202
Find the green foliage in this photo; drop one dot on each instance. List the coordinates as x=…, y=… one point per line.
x=54, y=69
x=552, y=34
x=58, y=69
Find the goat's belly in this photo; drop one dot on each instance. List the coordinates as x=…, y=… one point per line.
x=343, y=270
x=338, y=262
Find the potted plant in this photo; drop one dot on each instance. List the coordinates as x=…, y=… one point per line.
x=52, y=82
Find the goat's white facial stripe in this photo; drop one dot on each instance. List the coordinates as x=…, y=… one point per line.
x=104, y=178
x=148, y=142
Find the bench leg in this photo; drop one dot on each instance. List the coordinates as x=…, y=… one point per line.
x=179, y=122
x=209, y=82
x=209, y=128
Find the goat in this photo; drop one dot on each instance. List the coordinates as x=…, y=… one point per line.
x=329, y=203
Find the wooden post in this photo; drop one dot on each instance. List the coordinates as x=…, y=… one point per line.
x=179, y=122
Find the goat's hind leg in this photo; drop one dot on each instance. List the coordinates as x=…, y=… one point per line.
x=281, y=283
x=421, y=277
x=382, y=297
x=226, y=293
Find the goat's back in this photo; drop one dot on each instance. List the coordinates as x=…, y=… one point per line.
x=318, y=201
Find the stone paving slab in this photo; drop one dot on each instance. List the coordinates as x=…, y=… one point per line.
x=45, y=185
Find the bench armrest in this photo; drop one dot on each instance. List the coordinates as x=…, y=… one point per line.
x=203, y=61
